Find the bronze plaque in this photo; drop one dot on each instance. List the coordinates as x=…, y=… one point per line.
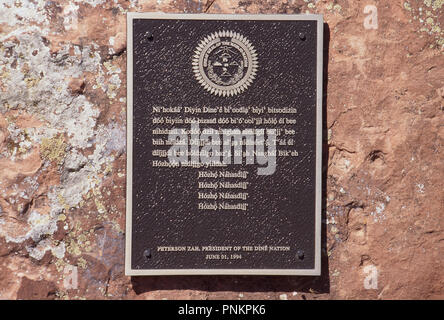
x=224, y=144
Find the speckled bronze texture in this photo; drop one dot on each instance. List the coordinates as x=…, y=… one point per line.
x=281, y=207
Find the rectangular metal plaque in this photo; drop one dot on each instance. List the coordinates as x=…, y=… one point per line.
x=224, y=144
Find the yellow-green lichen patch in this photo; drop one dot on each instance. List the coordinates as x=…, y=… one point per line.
x=437, y=4
x=77, y=241
x=108, y=81
x=53, y=149
x=60, y=265
x=19, y=141
x=101, y=209
x=31, y=82
x=62, y=295
x=337, y=7
x=62, y=202
x=334, y=7
x=116, y=227
x=81, y=263
x=434, y=4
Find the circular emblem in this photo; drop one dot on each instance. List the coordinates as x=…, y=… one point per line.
x=225, y=63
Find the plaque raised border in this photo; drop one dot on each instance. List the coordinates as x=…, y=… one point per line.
x=319, y=80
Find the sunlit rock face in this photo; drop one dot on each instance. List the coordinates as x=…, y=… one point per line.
x=62, y=152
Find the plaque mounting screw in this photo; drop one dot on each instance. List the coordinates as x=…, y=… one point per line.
x=149, y=36
x=302, y=36
x=147, y=253
x=300, y=254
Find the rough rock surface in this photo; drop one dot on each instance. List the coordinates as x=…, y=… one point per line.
x=62, y=152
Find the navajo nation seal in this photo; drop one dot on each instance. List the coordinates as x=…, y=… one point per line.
x=225, y=63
